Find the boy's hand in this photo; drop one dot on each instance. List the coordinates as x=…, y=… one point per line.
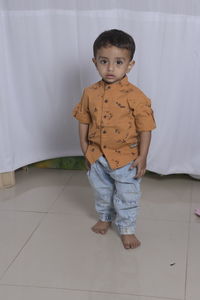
x=140, y=162
x=87, y=164
x=140, y=165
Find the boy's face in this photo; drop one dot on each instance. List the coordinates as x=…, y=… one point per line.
x=112, y=63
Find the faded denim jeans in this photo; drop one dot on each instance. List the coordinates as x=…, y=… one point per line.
x=117, y=194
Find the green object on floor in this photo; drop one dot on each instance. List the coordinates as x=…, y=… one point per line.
x=68, y=163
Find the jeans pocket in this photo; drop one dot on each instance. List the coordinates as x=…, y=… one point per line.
x=88, y=172
x=89, y=169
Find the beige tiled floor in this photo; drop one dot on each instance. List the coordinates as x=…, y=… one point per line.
x=47, y=250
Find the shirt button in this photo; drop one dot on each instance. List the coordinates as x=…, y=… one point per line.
x=104, y=131
x=104, y=117
x=104, y=146
x=106, y=101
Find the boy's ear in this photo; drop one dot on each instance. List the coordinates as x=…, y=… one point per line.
x=131, y=64
x=94, y=61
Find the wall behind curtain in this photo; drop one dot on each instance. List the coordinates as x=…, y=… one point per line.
x=45, y=62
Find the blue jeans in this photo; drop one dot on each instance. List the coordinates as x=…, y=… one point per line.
x=117, y=194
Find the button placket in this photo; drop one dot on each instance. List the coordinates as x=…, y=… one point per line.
x=105, y=119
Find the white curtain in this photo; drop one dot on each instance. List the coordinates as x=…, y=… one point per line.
x=45, y=62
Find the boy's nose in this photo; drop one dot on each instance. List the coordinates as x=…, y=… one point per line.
x=110, y=67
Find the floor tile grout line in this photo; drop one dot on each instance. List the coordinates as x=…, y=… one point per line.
x=23, y=246
x=49, y=211
x=23, y=211
x=86, y=291
x=141, y=218
x=186, y=269
x=188, y=242
x=62, y=190
x=68, y=179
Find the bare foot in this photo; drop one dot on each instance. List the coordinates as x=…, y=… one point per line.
x=130, y=241
x=101, y=227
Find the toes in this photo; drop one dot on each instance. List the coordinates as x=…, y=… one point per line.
x=130, y=242
x=130, y=246
x=94, y=230
x=101, y=227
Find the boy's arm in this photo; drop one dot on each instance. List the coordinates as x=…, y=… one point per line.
x=83, y=135
x=140, y=162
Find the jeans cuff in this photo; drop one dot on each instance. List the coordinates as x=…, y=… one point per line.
x=126, y=230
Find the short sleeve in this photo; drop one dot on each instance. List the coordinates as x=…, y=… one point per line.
x=81, y=110
x=142, y=111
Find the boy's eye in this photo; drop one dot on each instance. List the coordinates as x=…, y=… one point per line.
x=119, y=62
x=103, y=61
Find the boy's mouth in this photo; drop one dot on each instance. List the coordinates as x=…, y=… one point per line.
x=110, y=76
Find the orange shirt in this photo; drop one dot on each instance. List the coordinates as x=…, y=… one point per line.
x=116, y=113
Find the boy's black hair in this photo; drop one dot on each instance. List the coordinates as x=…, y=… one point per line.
x=117, y=38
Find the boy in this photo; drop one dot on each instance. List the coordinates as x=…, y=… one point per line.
x=115, y=123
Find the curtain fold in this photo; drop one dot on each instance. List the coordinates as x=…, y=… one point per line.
x=45, y=62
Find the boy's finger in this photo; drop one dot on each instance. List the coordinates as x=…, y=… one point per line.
x=137, y=173
x=134, y=165
x=140, y=173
